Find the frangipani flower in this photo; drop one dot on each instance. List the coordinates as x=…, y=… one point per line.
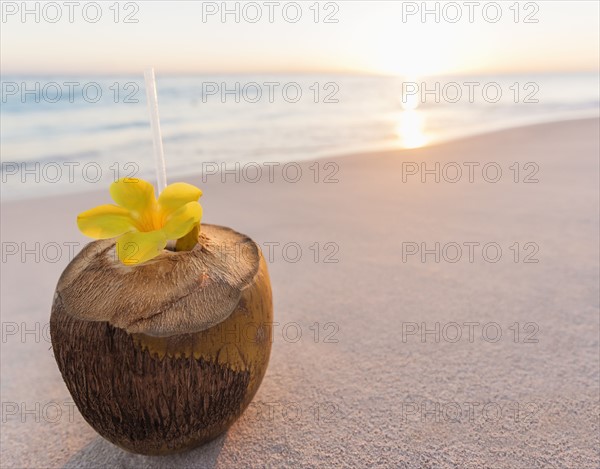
x=142, y=223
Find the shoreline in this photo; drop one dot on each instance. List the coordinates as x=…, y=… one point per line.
x=306, y=162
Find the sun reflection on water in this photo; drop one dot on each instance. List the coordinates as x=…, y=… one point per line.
x=411, y=129
x=410, y=126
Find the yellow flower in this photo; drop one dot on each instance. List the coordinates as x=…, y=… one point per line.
x=142, y=223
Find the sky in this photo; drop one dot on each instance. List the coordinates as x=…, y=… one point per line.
x=385, y=37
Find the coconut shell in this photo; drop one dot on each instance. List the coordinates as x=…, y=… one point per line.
x=164, y=356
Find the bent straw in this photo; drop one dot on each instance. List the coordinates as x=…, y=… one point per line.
x=159, y=156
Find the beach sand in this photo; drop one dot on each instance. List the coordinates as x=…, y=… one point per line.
x=369, y=390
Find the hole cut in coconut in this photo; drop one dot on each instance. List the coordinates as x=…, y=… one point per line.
x=174, y=293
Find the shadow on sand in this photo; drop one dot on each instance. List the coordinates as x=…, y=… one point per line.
x=101, y=453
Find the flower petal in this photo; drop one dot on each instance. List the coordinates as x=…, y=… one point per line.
x=182, y=220
x=137, y=247
x=133, y=194
x=105, y=221
x=176, y=195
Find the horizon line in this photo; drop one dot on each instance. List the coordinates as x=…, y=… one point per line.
x=172, y=73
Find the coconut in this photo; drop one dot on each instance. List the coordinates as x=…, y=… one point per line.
x=165, y=355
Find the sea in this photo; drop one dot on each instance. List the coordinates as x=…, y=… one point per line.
x=69, y=134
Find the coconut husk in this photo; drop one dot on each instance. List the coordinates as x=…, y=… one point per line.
x=174, y=293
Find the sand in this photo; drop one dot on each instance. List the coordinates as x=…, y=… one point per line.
x=369, y=390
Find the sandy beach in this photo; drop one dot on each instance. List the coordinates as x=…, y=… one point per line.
x=422, y=322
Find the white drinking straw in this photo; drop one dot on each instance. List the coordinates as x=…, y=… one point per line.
x=159, y=156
